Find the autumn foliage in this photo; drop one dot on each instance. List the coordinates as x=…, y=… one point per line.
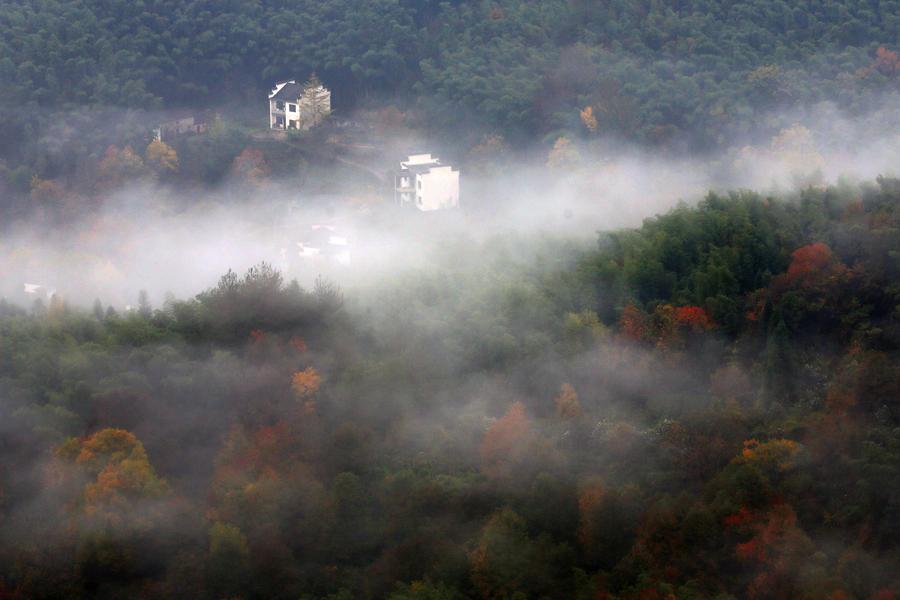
x=809, y=260
x=506, y=442
x=567, y=403
x=305, y=383
x=887, y=62
x=772, y=455
x=563, y=155
x=590, y=499
x=693, y=317
x=44, y=191
x=776, y=549
x=298, y=344
x=250, y=166
x=589, y=119
x=119, y=165
x=161, y=157
x=667, y=326
x=117, y=472
x=633, y=323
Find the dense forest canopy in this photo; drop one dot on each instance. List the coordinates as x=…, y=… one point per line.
x=594, y=379
x=696, y=71
x=703, y=407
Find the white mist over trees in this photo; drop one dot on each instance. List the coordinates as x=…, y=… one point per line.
x=653, y=354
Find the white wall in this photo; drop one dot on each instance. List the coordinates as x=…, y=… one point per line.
x=439, y=190
x=418, y=159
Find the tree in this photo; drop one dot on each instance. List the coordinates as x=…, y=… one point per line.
x=503, y=557
x=46, y=192
x=144, y=308
x=633, y=324
x=563, y=155
x=491, y=152
x=778, y=549
x=887, y=62
x=780, y=364
x=506, y=442
x=582, y=330
x=567, y=404
x=119, y=166
x=424, y=590
x=161, y=157
x=795, y=147
x=229, y=561
x=98, y=309
x=693, y=318
x=813, y=262
x=306, y=383
x=250, y=166
x=118, y=476
x=314, y=103
x=588, y=119
x=731, y=384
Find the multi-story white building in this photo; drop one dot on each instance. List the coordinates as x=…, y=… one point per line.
x=425, y=183
x=295, y=105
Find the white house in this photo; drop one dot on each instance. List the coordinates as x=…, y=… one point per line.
x=425, y=183
x=295, y=105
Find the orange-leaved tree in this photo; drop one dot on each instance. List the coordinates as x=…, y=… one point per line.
x=778, y=549
x=250, y=166
x=506, y=443
x=305, y=383
x=589, y=119
x=117, y=472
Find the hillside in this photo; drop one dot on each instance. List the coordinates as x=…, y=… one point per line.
x=691, y=71
x=703, y=407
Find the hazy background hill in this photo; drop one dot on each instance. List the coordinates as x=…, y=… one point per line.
x=694, y=72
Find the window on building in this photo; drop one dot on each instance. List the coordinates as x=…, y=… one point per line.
x=292, y=107
x=279, y=104
x=419, y=183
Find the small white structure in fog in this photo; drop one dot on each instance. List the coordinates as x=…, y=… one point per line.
x=323, y=242
x=300, y=106
x=35, y=289
x=424, y=182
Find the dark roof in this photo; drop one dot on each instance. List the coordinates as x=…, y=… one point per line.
x=290, y=92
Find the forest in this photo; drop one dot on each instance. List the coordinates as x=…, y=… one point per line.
x=685, y=74
x=653, y=355
x=701, y=407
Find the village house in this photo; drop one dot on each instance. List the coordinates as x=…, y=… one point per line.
x=300, y=106
x=183, y=123
x=425, y=183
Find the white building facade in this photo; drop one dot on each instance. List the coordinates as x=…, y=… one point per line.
x=298, y=106
x=425, y=183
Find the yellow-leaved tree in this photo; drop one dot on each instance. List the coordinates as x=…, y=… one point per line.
x=589, y=119
x=563, y=155
x=117, y=472
x=161, y=157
